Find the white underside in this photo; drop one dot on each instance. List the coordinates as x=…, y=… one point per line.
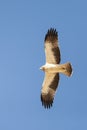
x=52, y=68
x=47, y=65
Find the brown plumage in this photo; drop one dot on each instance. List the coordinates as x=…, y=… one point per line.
x=52, y=68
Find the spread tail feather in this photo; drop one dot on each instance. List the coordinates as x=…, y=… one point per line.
x=66, y=69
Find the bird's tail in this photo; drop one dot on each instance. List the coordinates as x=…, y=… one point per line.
x=65, y=69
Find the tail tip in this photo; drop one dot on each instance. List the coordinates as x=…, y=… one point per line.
x=70, y=70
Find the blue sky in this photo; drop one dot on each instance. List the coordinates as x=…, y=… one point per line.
x=23, y=25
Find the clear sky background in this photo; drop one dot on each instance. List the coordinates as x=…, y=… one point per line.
x=23, y=25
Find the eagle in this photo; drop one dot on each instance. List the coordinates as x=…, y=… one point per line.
x=52, y=68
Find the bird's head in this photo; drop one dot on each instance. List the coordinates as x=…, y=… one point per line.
x=42, y=68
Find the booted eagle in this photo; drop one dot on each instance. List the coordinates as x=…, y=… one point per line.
x=52, y=68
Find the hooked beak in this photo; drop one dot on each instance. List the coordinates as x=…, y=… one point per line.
x=41, y=68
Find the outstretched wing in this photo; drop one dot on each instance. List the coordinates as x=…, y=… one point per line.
x=49, y=88
x=51, y=80
x=52, y=51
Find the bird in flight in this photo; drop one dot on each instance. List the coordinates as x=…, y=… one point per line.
x=52, y=68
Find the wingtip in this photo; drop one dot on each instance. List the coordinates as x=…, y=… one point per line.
x=46, y=103
x=51, y=33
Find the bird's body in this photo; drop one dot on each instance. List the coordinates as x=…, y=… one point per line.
x=52, y=68
x=57, y=68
